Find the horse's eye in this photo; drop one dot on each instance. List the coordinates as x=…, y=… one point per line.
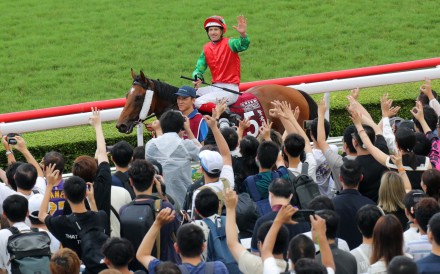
x=138, y=97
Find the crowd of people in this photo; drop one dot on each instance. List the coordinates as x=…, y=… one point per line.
x=281, y=203
x=375, y=209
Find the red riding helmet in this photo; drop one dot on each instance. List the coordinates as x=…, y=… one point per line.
x=215, y=21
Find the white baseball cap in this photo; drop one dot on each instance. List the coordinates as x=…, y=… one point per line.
x=211, y=161
x=35, y=204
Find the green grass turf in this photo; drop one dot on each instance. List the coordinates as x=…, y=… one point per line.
x=56, y=53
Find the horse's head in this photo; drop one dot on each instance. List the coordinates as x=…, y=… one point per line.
x=135, y=100
x=145, y=97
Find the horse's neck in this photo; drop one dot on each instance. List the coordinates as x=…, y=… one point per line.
x=164, y=90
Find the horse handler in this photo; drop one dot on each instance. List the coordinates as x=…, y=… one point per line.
x=221, y=56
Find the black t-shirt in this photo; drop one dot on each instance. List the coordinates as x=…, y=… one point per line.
x=102, y=186
x=65, y=232
x=372, y=172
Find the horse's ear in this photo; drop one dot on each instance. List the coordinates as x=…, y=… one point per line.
x=133, y=75
x=143, y=77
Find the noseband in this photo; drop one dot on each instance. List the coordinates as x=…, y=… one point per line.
x=147, y=102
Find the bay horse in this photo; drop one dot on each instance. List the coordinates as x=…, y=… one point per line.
x=148, y=97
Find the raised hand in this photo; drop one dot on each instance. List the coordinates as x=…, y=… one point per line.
x=230, y=197
x=356, y=117
x=165, y=216
x=241, y=25
x=52, y=175
x=265, y=130
x=285, y=214
x=322, y=107
x=426, y=88
x=95, y=119
x=417, y=111
x=355, y=93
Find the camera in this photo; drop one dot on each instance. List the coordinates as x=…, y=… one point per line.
x=307, y=124
x=303, y=215
x=10, y=138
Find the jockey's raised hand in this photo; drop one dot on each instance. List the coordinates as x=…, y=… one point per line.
x=241, y=25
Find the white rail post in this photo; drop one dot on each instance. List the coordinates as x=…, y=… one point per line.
x=140, y=134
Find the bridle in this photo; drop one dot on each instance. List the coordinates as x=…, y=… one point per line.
x=146, y=104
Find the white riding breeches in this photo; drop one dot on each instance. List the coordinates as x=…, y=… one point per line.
x=212, y=94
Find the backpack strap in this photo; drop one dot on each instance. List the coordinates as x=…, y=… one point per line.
x=183, y=269
x=251, y=186
x=157, y=207
x=125, y=182
x=116, y=213
x=305, y=168
x=209, y=267
x=14, y=230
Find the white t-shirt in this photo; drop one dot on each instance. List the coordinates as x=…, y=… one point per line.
x=227, y=173
x=323, y=172
x=119, y=197
x=362, y=254
x=310, y=159
x=271, y=267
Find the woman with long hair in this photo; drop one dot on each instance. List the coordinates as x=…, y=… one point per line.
x=387, y=243
x=391, y=194
x=245, y=165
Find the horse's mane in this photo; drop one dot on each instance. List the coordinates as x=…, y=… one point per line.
x=165, y=91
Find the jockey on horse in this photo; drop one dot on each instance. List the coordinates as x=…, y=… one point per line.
x=221, y=56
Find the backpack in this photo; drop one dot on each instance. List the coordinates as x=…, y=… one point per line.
x=218, y=249
x=246, y=215
x=136, y=219
x=92, y=238
x=209, y=268
x=305, y=187
x=29, y=251
x=263, y=205
x=125, y=182
x=226, y=185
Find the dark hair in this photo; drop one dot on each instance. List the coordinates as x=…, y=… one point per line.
x=139, y=153
x=190, y=239
x=423, y=145
x=406, y=140
x=10, y=173
x=431, y=119
x=15, y=207
x=230, y=136
x=267, y=154
x=314, y=128
x=321, y=202
x=65, y=261
x=281, y=187
x=122, y=153
x=281, y=242
x=206, y=202
x=431, y=179
x=309, y=266
x=294, y=144
x=425, y=209
x=351, y=173
x=167, y=268
x=402, y=265
x=424, y=99
x=26, y=176
x=434, y=227
x=75, y=189
x=141, y=173
x=275, y=137
x=366, y=218
x=54, y=157
x=248, y=146
x=331, y=222
x=387, y=239
x=370, y=133
x=245, y=165
x=171, y=121
x=119, y=251
x=85, y=167
x=301, y=246
x=348, y=139
x=411, y=199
